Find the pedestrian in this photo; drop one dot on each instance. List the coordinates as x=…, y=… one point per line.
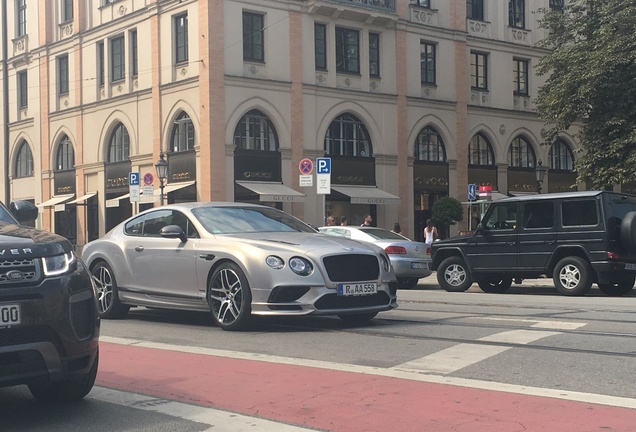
x=396, y=228
x=367, y=220
x=430, y=232
x=343, y=221
x=331, y=221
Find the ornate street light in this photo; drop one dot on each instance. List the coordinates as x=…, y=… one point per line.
x=162, y=172
x=539, y=173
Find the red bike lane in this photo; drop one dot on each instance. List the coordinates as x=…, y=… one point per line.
x=340, y=401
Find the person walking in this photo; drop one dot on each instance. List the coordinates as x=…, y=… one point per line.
x=343, y=221
x=331, y=221
x=430, y=232
x=367, y=220
x=396, y=228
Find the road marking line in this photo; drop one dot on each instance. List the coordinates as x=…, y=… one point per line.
x=392, y=373
x=555, y=325
x=218, y=420
x=462, y=355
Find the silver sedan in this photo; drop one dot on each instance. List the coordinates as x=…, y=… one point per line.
x=411, y=260
x=237, y=260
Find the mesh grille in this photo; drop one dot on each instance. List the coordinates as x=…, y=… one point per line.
x=29, y=334
x=19, y=271
x=82, y=318
x=352, y=268
x=334, y=301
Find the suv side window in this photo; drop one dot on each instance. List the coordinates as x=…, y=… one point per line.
x=503, y=216
x=579, y=213
x=538, y=215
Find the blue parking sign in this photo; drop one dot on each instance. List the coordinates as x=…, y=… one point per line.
x=133, y=179
x=323, y=165
x=472, y=192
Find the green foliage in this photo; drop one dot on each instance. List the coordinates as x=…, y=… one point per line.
x=447, y=211
x=591, y=83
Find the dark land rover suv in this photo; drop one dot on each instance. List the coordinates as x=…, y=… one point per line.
x=577, y=238
x=49, y=326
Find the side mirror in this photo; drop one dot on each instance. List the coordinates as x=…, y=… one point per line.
x=23, y=211
x=173, y=232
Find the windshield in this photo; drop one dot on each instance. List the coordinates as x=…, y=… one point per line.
x=230, y=220
x=5, y=216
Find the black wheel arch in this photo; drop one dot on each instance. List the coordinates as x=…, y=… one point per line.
x=442, y=254
x=567, y=251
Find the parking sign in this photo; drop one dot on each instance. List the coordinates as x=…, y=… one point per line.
x=472, y=192
x=323, y=166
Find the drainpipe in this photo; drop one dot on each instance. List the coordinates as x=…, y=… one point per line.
x=5, y=103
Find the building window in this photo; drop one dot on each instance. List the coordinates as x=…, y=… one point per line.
x=119, y=145
x=117, y=59
x=475, y=9
x=480, y=151
x=429, y=146
x=21, y=18
x=134, y=57
x=65, y=159
x=561, y=156
x=520, y=76
x=100, y=64
x=320, y=46
x=556, y=4
x=347, y=136
x=374, y=54
x=182, y=138
x=62, y=75
x=23, y=90
x=255, y=131
x=517, y=13
x=427, y=62
x=253, y=37
x=67, y=10
x=181, y=38
x=24, y=161
x=479, y=70
x=522, y=154
x=424, y=3
x=347, y=50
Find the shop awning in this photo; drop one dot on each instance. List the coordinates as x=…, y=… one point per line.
x=366, y=194
x=82, y=200
x=171, y=187
x=273, y=192
x=57, y=199
x=115, y=201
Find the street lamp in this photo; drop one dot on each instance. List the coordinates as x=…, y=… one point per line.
x=539, y=172
x=162, y=172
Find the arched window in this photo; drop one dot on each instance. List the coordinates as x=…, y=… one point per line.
x=65, y=159
x=119, y=145
x=429, y=146
x=480, y=151
x=255, y=131
x=24, y=161
x=522, y=154
x=561, y=156
x=182, y=138
x=347, y=136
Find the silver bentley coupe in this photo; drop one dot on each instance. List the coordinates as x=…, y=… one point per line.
x=237, y=260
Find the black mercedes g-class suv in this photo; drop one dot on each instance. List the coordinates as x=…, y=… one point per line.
x=49, y=326
x=577, y=238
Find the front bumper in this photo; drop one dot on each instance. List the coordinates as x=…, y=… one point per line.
x=59, y=329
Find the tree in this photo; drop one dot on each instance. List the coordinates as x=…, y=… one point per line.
x=591, y=69
x=447, y=211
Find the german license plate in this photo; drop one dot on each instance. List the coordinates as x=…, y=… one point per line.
x=630, y=266
x=357, y=289
x=419, y=265
x=10, y=315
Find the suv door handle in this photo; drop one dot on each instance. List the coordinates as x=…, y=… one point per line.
x=139, y=248
x=549, y=241
x=511, y=243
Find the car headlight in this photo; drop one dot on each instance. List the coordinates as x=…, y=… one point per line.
x=386, y=264
x=275, y=262
x=301, y=266
x=59, y=264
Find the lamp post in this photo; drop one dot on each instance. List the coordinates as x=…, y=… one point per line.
x=539, y=172
x=162, y=172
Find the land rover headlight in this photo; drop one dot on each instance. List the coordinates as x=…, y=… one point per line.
x=59, y=264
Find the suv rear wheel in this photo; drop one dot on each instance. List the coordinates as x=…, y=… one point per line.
x=618, y=289
x=572, y=276
x=495, y=285
x=453, y=275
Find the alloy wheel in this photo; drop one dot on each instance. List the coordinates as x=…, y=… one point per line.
x=455, y=275
x=104, y=284
x=570, y=276
x=226, y=296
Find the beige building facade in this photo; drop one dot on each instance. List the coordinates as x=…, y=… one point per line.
x=410, y=100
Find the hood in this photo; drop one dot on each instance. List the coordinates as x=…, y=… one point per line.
x=305, y=243
x=22, y=241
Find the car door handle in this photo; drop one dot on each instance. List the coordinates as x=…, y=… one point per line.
x=549, y=242
x=511, y=243
x=139, y=248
